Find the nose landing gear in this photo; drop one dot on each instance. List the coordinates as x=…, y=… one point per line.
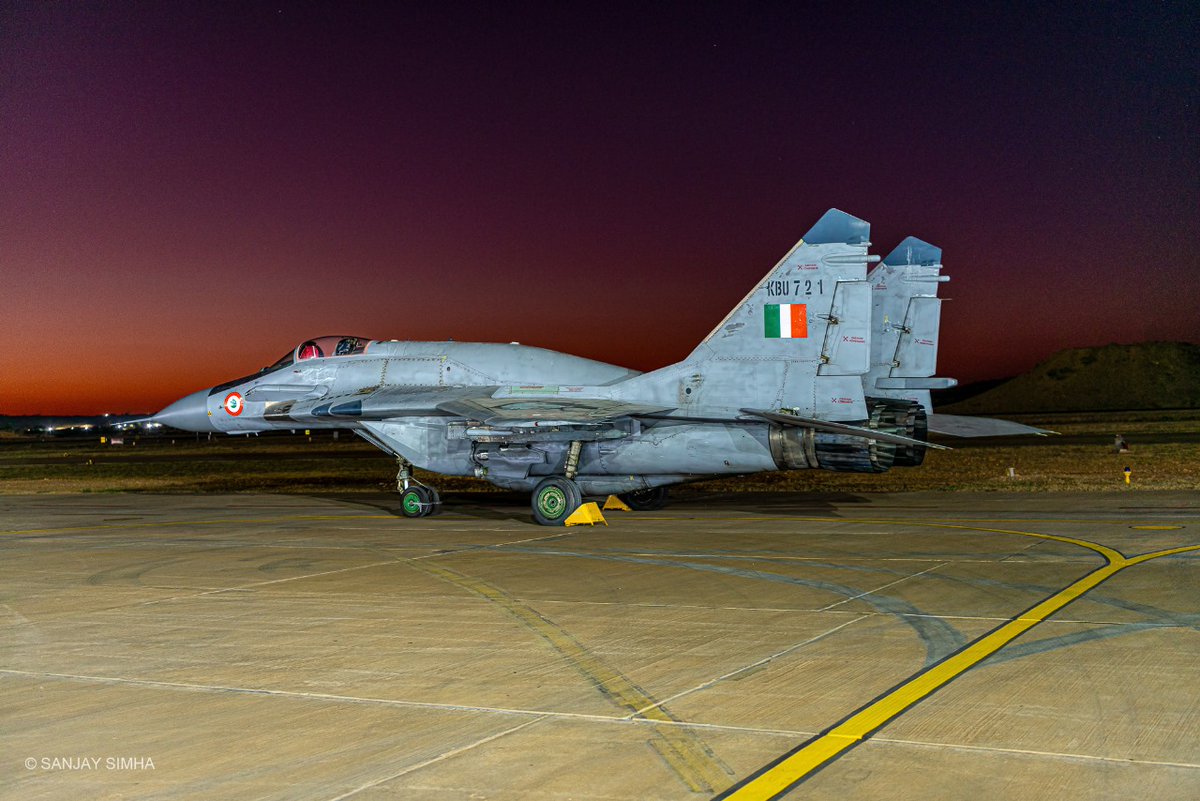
x=420, y=501
x=416, y=500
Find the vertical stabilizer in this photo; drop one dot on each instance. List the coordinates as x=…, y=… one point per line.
x=905, y=319
x=799, y=340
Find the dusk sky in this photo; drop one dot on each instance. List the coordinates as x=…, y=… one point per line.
x=188, y=190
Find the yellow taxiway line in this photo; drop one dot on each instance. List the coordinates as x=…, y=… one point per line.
x=778, y=777
x=688, y=756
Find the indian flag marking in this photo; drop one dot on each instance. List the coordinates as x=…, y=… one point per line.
x=786, y=320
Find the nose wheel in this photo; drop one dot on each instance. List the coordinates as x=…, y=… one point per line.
x=554, y=499
x=416, y=500
x=419, y=501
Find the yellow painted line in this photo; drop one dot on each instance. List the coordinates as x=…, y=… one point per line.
x=176, y=523
x=761, y=519
x=1110, y=554
x=681, y=748
x=1137, y=560
x=767, y=517
x=776, y=779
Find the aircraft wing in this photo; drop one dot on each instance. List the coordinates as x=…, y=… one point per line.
x=545, y=411
x=473, y=403
x=957, y=425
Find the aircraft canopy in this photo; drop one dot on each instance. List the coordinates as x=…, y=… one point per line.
x=323, y=347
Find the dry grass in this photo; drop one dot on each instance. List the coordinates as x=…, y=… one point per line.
x=299, y=465
x=1047, y=468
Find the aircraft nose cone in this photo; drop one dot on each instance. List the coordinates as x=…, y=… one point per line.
x=189, y=413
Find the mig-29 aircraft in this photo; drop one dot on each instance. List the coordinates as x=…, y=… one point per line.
x=822, y=365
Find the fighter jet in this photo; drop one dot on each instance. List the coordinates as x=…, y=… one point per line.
x=822, y=365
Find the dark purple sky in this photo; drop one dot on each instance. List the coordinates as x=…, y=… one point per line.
x=187, y=190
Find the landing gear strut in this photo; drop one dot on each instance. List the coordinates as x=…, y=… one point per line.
x=416, y=499
x=554, y=499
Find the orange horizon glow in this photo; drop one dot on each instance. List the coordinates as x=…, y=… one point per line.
x=193, y=192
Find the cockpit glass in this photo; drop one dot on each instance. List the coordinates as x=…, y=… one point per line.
x=324, y=347
x=282, y=361
x=318, y=348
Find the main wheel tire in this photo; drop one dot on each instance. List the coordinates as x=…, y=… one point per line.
x=416, y=501
x=554, y=499
x=645, y=500
x=435, y=502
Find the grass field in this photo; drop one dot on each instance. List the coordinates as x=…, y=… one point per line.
x=320, y=464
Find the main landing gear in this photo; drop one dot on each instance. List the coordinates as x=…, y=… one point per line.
x=645, y=500
x=554, y=499
x=416, y=500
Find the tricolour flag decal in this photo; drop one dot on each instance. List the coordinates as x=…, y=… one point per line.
x=786, y=320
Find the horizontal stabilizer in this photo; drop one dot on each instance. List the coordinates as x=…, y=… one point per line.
x=840, y=428
x=957, y=425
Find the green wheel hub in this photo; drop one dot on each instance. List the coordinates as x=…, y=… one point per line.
x=412, y=503
x=552, y=502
